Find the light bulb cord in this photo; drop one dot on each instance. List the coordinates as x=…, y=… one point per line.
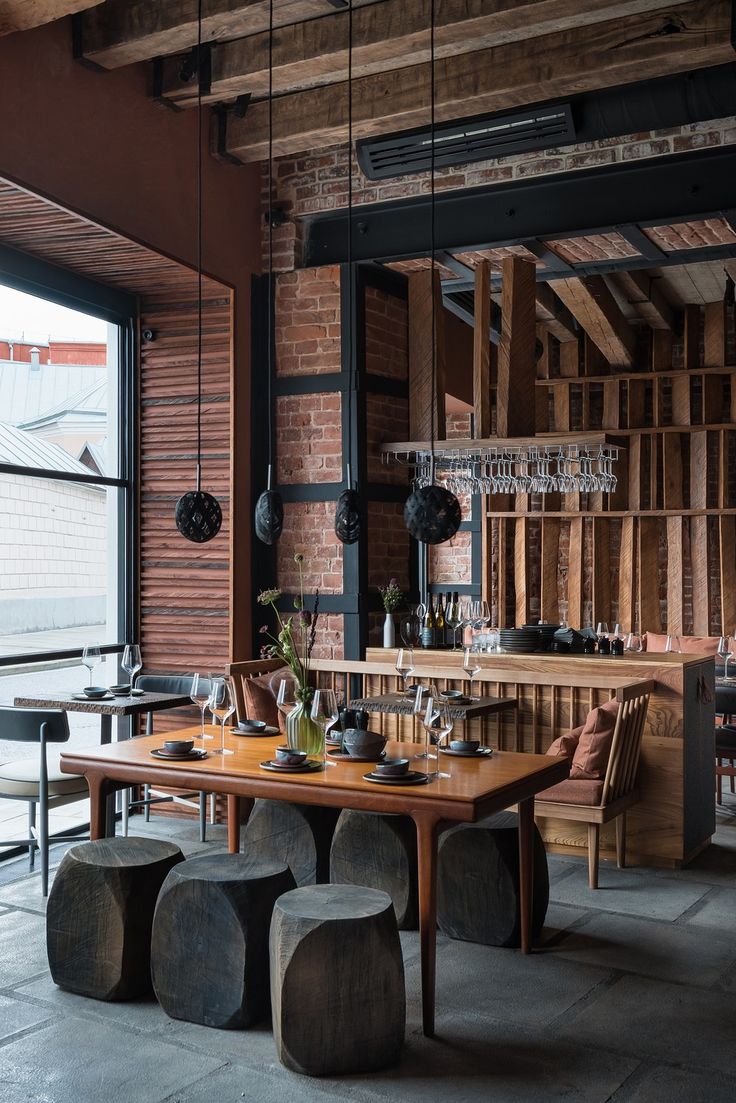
x=269, y=358
x=199, y=241
x=351, y=280
x=433, y=398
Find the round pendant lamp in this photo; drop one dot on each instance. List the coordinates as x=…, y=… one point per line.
x=432, y=513
x=198, y=514
x=269, y=512
x=349, y=511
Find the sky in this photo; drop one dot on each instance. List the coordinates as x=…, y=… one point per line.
x=31, y=319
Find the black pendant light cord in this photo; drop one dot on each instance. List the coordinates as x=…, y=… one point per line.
x=351, y=281
x=199, y=244
x=433, y=400
x=269, y=359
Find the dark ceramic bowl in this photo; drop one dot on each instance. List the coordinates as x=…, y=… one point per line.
x=95, y=691
x=121, y=690
x=451, y=694
x=288, y=756
x=359, y=742
x=252, y=725
x=468, y=746
x=178, y=746
x=392, y=767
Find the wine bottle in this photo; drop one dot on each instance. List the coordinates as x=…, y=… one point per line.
x=428, y=625
x=439, y=624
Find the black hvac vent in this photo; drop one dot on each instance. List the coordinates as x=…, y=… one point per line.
x=469, y=140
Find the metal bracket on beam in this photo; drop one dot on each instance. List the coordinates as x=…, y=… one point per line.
x=241, y=105
x=157, y=90
x=198, y=62
x=78, y=46
x=221, y=150
x=542, y=251
x=639, y=241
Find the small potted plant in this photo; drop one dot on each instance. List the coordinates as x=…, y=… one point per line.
x=392, y=598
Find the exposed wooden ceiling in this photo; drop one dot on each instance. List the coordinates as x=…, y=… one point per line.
x=492, y=56
x=23, y=15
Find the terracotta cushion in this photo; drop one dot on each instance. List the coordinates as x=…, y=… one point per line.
x=260, y=698
x=566, y=745
x=689, y=645
x=573, y=792
x=594, y=747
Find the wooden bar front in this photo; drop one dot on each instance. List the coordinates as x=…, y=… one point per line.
x=676, y=816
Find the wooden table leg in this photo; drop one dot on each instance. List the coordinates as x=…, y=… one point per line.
x=526, y=859
x=233, y=824
x=97, y=806
x=426, y=825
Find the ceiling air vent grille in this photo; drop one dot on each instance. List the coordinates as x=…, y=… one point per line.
x=478, y=139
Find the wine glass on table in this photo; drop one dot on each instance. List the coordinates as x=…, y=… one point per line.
x=471, y=666
x=91, y=657
x=466, y=610
x=222, y=705
x=132, y=661
x=200, y=695
x=405, y=664
x=454, y=620
x=325, y=713
x=419, y=708
x=724, y=653
x=440, y=726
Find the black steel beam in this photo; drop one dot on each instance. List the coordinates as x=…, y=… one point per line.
x=643, y=244
x=653, y=191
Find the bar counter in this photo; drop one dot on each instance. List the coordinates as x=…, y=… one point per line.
x=675, y=818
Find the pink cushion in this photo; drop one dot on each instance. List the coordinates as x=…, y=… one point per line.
x=573, y=792
x=566, y=745
x=689, y=645
x=260, y=699
x=594, y=747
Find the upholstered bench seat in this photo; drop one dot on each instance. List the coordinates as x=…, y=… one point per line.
x=21, y=779
x=574, y=791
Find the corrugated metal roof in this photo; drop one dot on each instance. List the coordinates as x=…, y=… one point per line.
x=20, y=447
x=27, y=393
x=90, y=400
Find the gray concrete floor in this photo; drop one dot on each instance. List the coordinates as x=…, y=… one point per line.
x=630, y=997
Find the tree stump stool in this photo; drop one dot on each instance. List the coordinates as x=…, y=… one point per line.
x=298, y=834
x=209, y=950
x=478, y=882
x=100, y=913
x=337, y=980
x=379, y=851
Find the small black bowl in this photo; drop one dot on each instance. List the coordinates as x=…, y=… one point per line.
x=121, y=690
x=465, y=746
x=179, y=746
x=289, y=756
x=94, y=691
x=392, y=767
x=251, y=725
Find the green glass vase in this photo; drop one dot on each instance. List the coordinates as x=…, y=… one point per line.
x=302, y=733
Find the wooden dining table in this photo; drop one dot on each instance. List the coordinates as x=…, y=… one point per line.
x=476, y=788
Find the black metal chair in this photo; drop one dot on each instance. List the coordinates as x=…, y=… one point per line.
x=163, y=683
x=36, y=780
x=725, y=739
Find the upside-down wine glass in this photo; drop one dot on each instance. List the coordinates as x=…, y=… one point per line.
x=325, y=713
x=200, y=695
x=222, y=705
x=405, y=664
x=471, y=666
x=90, y=658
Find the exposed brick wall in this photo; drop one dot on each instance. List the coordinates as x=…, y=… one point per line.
x=307, y=330
x=309, y=528
x=386, y=334
x=452, y=561
x=309, y=438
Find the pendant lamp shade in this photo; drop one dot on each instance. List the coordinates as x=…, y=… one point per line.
x=347, y=517
x=269, y=515
x=198, y=516
x=432, y=514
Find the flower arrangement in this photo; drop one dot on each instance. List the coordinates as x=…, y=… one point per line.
x=295, y=636
x=391, y=596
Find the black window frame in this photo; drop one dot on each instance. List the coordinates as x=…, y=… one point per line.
x=23, y=272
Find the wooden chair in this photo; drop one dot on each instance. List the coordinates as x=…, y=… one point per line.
x=619, y=785
x=252, y=668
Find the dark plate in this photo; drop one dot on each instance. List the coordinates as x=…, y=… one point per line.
x=194, y=755
x=482, y=752
x=307, y=767
x=343, y=756
x=254, y=734
x=86, y=697
x=411, y=777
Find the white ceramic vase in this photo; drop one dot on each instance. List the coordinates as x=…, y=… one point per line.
x=389, y=631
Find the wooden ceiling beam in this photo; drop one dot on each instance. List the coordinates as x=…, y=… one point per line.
x=390, y=35
x=646, y=296
x=555, y=317
x=23, y=15
x=590, y=301
x=496, y=79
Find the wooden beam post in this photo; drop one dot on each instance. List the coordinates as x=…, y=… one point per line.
x=517, y=373
x=422, y=285
x=649, y=610
x=482, y=351
x=595, y=308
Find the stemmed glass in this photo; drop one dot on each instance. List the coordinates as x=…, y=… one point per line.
x=454, y=620
x=481, y=614
x=672, y=646
x=466, y=612
x=325, y=713
x=405, y=664
x=222, y=705
x=200, y=695
x=471, y=666
x=634, y=642
x=438, y=725
x=90, y=658
x=724, y=653
x=410, y=629
x=286, y=696
x=423, y=694
x=618, y=631
x=602, y=630
x=132, y=661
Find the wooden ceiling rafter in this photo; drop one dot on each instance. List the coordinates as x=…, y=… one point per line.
x=24, y=15
x=591, y=302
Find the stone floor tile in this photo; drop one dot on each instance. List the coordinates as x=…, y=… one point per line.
x=679, y=1085
x=718, y=911
x=628, y=891
x=667, y=1022
x=665, y=951
x=16, y=1014
x=22, y=947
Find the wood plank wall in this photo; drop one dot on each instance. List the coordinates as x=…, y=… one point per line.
x=660, y=553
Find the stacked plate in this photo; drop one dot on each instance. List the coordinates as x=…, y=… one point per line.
x=519, y=641
x=546, y=634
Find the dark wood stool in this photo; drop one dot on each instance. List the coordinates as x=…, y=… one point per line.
x=337, y=980
x=298, y=834
x=209, y=951
x=478, y=882
x=379, y=851
x=100, y=913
